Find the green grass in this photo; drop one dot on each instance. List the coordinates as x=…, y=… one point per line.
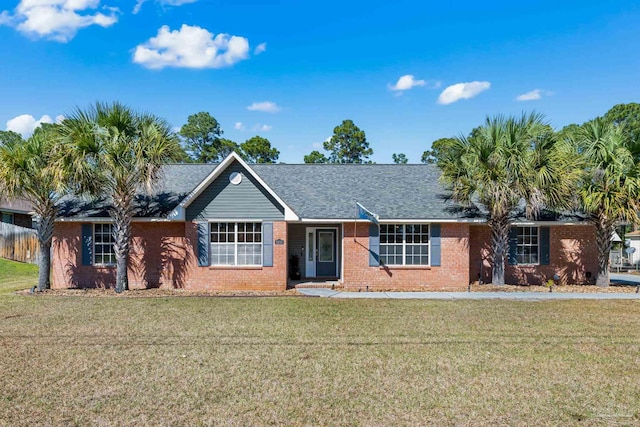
x=311, y=361
x=16, y=275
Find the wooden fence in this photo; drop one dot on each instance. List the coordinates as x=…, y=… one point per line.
x=19, y=243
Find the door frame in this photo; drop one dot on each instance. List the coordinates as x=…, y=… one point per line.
x=310, y=265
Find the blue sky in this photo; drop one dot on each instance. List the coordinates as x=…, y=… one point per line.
x=305, y=66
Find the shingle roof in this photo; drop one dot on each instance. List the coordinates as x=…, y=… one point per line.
x=330, y=191
x=15, y=205
x=314, y=191
x=178, y=181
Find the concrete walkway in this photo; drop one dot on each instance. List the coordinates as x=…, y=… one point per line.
x=625, y=279
x=516, y=296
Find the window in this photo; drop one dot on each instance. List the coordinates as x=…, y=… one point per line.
x=7, y=217
x=404, y=244
x=236, y=243
x=527, y=249
x=103, y=252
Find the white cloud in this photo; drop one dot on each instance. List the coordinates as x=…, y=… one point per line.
x=265, y=107
x=139, y=3
x=460, y=91
x=317, y=145
x=57, y=20
x=25, y=124
x=262, y=128
x=238, y=126
x=260, y=48
x=407, y=82
x=6, y=18
x=191, y=47
x=533, y=95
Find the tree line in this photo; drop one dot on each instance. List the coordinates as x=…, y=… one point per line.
x=113, y=152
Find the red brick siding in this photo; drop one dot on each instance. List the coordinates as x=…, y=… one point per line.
x=163, y=255
x=572, y=253
x=453, y=273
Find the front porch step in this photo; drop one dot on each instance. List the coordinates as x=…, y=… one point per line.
x=330, y=284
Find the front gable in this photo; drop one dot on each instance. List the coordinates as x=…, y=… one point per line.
x=223, y=199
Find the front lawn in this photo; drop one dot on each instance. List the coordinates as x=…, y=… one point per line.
x=17, y=275
x=311, y=361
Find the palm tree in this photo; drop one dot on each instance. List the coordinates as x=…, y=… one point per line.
x=504, y=163
x=116, y=153
x=31, y=170
x=611, y=183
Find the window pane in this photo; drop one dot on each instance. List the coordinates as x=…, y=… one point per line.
x=527, y=245
x=325, y=246
x=103, y=244
x=225, y=250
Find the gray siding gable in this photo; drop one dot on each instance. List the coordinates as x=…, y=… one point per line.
x=223, y=200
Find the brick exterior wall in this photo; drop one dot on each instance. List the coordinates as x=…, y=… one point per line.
x=572, y=253
x=163, y=255
x=453, y=273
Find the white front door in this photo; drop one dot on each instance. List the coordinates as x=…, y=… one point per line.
x=310, y=255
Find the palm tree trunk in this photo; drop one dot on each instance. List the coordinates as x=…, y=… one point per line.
x=604, y=231
x=44, y=266
x=499, y=245
x=122, y=235
x=45, y=235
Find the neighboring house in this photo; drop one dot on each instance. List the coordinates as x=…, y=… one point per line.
x=238, y=226
x=634, y=242
x=17, y=212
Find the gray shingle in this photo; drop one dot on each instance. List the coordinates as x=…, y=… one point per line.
x=313, y=191
x=178, y=181
x=330, y=191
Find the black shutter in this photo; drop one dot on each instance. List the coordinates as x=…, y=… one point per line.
x=513, y=246
x=374, y=245
x=87, y=244
x=436, y=257
x=202, y=244
x=267, y=244
x=544, y=246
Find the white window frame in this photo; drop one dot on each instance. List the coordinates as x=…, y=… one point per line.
x=235, y=244
x=530, y=245
x=93, y=240
x=404, y=244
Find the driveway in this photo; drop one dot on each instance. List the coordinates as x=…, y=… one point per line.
x=625, y=279
x=516, y=296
